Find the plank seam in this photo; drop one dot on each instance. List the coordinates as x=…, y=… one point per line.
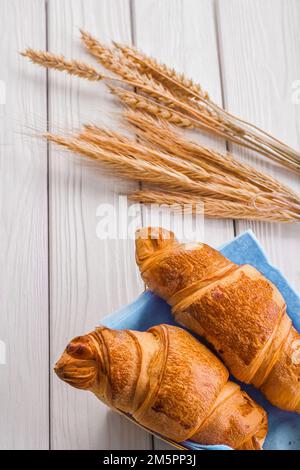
x=48, y=229
x=132, y=15
x=216, y=14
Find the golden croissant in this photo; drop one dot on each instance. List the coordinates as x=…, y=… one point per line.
x=168, y=382
x=239, y=311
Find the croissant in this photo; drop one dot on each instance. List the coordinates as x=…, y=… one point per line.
x=168, y=382
x=239, y=311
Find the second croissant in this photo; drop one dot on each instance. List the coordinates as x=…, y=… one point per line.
x=168, y=382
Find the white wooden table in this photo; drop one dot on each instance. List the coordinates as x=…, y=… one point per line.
x=57, y=279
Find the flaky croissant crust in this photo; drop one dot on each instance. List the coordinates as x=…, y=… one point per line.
x=168, y=382
x=239, y=311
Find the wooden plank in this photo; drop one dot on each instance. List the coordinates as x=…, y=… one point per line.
x=89, y=277
x=24, y=385
x=260, y=59
x=182, y=34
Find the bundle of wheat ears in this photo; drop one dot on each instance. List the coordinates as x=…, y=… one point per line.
x=175, y=170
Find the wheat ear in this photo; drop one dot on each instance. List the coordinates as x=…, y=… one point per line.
x=118, y=64
x=58, y=62
x=175, y=92
x=127, y=167
x=116, y=142
x=165, y=137
x=247, y=133
x=177, y=83
x=142, y=103
x=214, y=208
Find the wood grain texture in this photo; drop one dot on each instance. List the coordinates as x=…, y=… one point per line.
x=24, y=404
x=260, y=61
x=181, y=33
x=255, y=46
x=89, y=277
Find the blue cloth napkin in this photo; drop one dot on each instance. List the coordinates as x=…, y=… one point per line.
x=149, y=310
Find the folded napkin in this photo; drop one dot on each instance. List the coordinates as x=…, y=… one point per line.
x=149, y=310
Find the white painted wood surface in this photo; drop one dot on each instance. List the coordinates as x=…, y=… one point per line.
x=185, y=38
x=243, y=51
x=182, y=34
x=260, y=62
x=24, y=398
x=89, y=277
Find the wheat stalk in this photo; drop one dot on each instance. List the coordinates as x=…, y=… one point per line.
x=115, y=142
x=150, y=156
x=248, y=133
x=215, y=183
x=214, y=208
x=177, y=99
x=137, y=77
x=182, y=171
x=201, y=117
x=130, y=160
x=181, y=118
x=224, y=124
x=107, y=56
x=58, y=62
x=129, y=167
x=133, y=160
x=118, y=64
x=140, y=102
x=176, y=82
x=156, y=133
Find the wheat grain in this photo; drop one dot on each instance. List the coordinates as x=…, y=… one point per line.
x=174, y=163
x=197, y=180
x=192, y=168
x=246, y=133
x=214, y=207
x=115, y=142
x=171, y=113
x=135, y=161
x=58, y=62
x=237, y=130
x=184, y=171
x=196, y=115
x=155, y=88
x=128, y=167
x=174, y=177
x=176, y=82
x=118, y=64
x=175, y=92
x=140, y=102
x=186, y=87
x=162, y=135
